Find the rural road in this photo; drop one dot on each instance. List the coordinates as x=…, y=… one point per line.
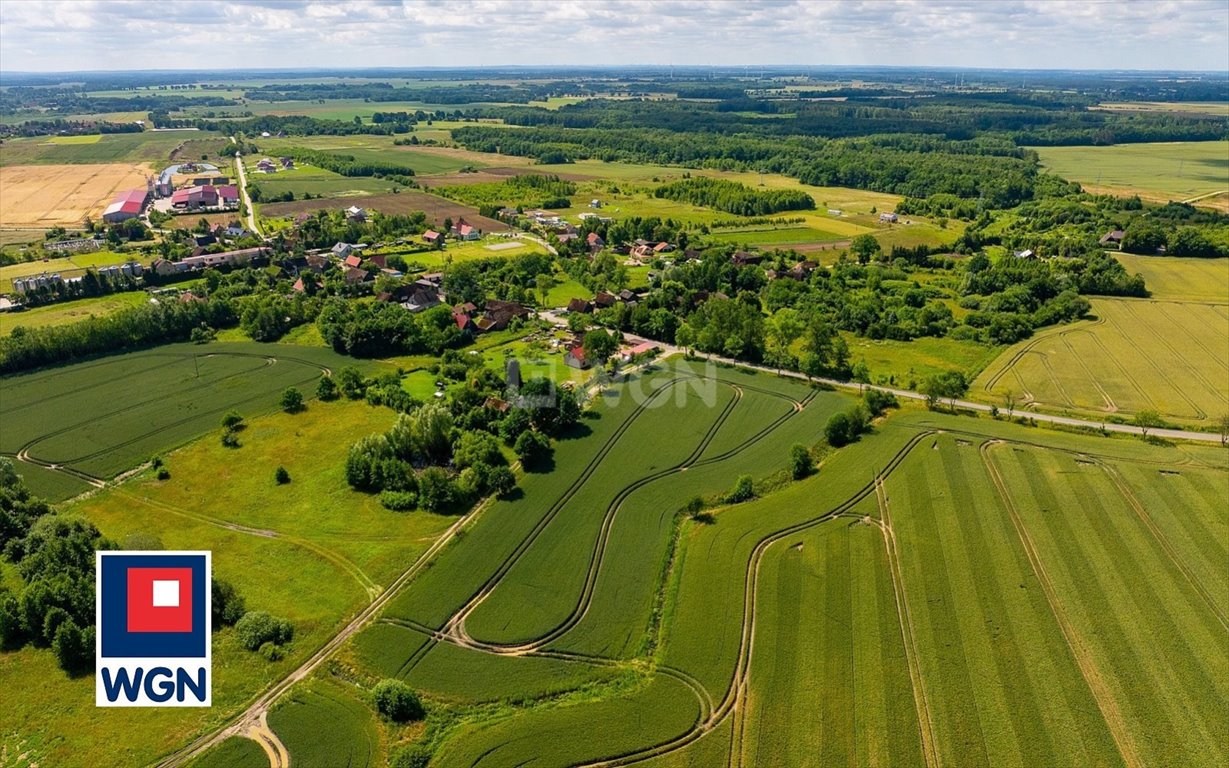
x=552, y=316
x=241, y=175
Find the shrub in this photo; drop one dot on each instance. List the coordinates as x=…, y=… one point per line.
x=257, y=628
x=532, y=448
x=164, y=473
x=327, y=388
x=272, y=652
x=877, y=401
x=436, y=491
x=397, y=701
x=74, y=647
x=837, y=431
x=227, y=604
x=292, y=400
x=800, y=464
x=399, y=501
x=414, y=756
x=281, y=476
x=232, y=421
x=743, y=490
x=230, y=440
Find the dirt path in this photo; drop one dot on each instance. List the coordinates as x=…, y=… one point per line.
x=908, y=634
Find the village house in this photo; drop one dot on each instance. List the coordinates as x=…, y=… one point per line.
x=580, y=306
x=1113, y=236
x=595, y=241
x=575, y=358
x=605, y=300
x=354, y=213
x=639, y=350
x=343, y=250
x=353, y=260
x=888, y=218
x=745, y=258
x=431, y=237
x=465, y=231
x=228, y=196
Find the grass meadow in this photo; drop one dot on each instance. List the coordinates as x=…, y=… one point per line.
x=312, y=551
x=70, y=311
x=152, y=147
x=108, y=415
x=1159, y=172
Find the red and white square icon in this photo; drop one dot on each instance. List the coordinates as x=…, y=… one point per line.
x=159, y=599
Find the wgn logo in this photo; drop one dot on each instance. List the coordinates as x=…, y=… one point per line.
x=153, y=611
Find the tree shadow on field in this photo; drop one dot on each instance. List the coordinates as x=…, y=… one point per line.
x=516, y=494
x=542, y=466
x=575, y=432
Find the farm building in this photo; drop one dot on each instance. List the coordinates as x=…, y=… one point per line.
x=228, y=195
x=193, y=198
x=354, y=213
x=431, y=237
x=126, y=205
x=743, y=258
x=643, y=348
x=580, y=306
x=888, y=218
x=1113, y=236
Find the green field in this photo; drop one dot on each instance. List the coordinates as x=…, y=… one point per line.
x=69, y=311
x=1179, y=279
x=995, y=598
x=268, y=540
x=1162, y=171
x=108, y=415
x=310, y=711
x=152, y=147
x=317, y=182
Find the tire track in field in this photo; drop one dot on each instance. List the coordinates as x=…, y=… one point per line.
x=1019, y=355
x=908, y=632
x=370, y=587
x=1191, y=369
x=1160, y=370
x=597, y=558
x=1162, y=540
x=487, y=586
x=1110, y=405
x=732, y=701
x=1193, y=338
x=1100, y=690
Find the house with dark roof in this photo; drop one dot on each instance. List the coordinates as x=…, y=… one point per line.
x=745, y=258
x=1114, y=237
x=501, y=313
x=605, y=300
x=581, y=306
x=356, y=276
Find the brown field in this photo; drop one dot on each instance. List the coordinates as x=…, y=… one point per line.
x=54, y=195
x=406, y=201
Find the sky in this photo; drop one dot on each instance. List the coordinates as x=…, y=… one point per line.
x=84, y=35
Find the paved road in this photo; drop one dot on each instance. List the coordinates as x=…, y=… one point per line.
x=553, y=316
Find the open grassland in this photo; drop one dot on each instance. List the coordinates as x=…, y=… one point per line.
x=312, y=551
x=105, y=416
x=423, y=160
x=149, y=147
x=69, y=311
x=406, y=201
x=1158, y=172
x=62, y=195
x=1213, y=108
x=1153, y=354
x=1181, y=279
x=317, y=182
x=908, y=363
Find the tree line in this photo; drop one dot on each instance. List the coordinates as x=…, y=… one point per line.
x=735, y=198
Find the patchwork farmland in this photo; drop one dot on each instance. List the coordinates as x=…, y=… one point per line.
x=929, y=582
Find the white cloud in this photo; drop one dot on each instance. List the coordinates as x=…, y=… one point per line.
x=51, y=35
